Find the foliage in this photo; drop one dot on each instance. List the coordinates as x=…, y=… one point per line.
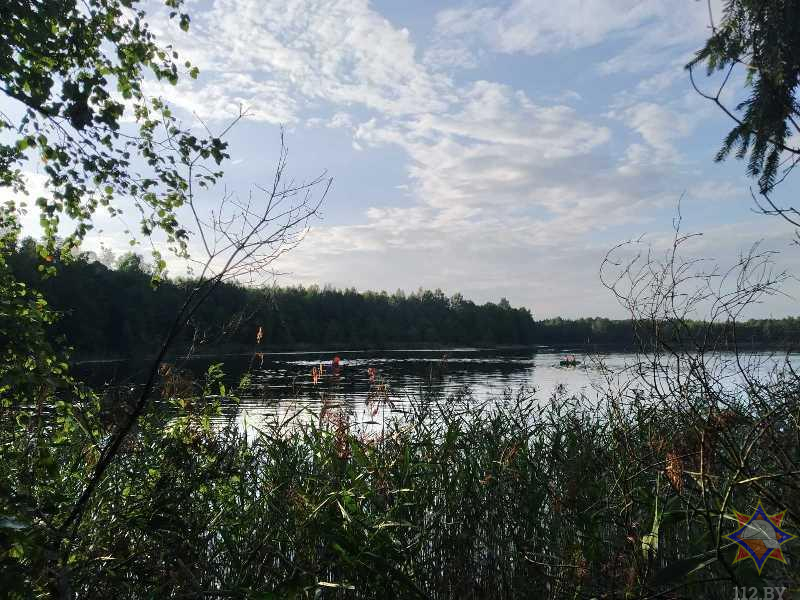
x=116, y=312
x=101, y=497
x=30, y=367
x=762, y=37
x=38, y=398
x=75, y=72
x=453, y=499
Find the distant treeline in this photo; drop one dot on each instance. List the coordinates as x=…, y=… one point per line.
x=111, y=312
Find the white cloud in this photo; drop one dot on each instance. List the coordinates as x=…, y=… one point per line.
x=538, y=27
x=662, y=80
x=455, y=36
x=660, y=127
x=224, y=95
x=495, y=150
x=280, y=58
x=649, y=30
x=505, y=195
x=339, y=120
x=450, y=57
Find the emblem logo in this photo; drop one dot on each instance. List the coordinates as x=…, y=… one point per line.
x=760, y=537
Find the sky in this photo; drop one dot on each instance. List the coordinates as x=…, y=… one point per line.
x=496, y=149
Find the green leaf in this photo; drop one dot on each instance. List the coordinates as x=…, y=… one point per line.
x=650, y=540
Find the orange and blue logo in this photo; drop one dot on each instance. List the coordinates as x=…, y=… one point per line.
x=760, y=537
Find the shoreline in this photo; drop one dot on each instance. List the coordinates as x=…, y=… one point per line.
x=343, y=349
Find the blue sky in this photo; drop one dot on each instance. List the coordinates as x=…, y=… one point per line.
x=488, y=148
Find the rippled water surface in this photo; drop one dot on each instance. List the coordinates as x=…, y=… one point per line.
x=283, y=383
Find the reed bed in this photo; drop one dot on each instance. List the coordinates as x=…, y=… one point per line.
x=564, y=497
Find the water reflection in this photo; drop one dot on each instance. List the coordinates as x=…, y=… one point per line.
x=371, y=386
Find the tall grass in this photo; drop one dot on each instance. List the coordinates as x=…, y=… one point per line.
x=626, y=496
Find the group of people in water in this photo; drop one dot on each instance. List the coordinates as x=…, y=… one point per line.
x=569, y=361
x=318, y=372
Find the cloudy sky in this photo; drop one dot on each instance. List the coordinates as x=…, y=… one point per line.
x=488, y=148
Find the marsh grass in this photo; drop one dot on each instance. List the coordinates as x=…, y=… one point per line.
x=515, y=497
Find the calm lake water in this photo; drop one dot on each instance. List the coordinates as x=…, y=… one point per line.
x=283, y=383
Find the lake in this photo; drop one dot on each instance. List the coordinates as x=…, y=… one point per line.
x=284, y=383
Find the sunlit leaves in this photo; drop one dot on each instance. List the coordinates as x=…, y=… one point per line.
x=67, y=64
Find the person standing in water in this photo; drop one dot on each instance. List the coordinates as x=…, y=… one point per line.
x=336, y=365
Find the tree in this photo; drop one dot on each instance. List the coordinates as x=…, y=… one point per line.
x=30, y=368
x=61, y=63
x=74, y=71
x=131, y=263
x=762, y=38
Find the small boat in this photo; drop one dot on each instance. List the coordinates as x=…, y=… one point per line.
x=569, y=361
